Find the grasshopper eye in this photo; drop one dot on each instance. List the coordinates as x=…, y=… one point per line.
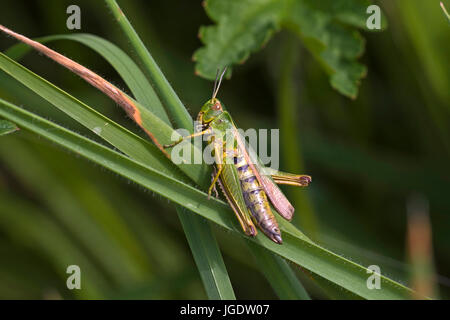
x=216, y=107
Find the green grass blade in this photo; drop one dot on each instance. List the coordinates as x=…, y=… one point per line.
x=7, y=127
x=110, y=131
x=279, y=274
x=215, y=277
x=142, y=174
x=299, y=250
x=165, y=92
x=121, y=62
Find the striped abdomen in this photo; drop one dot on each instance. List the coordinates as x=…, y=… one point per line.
x=256, y=200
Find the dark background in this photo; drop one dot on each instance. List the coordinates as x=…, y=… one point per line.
x=369, y=157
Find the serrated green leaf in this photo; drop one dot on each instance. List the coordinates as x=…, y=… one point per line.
x=327, y=29
x=334, y=45
x=242, y=28
x=351, y=12
x=7, y=127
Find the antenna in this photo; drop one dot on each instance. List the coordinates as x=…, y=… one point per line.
x=215, y=82
x=217, y=86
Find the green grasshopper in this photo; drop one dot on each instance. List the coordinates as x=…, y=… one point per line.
x=247, y=185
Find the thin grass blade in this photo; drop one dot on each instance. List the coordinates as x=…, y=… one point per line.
x=279, y=274
x=165, y=92
x=7, y=127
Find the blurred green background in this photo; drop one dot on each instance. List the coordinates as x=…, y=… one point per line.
x=370, y=158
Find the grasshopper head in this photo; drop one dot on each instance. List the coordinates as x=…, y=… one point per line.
x=210, y=110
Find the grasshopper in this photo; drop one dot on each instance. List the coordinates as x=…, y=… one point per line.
x=246, y=183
